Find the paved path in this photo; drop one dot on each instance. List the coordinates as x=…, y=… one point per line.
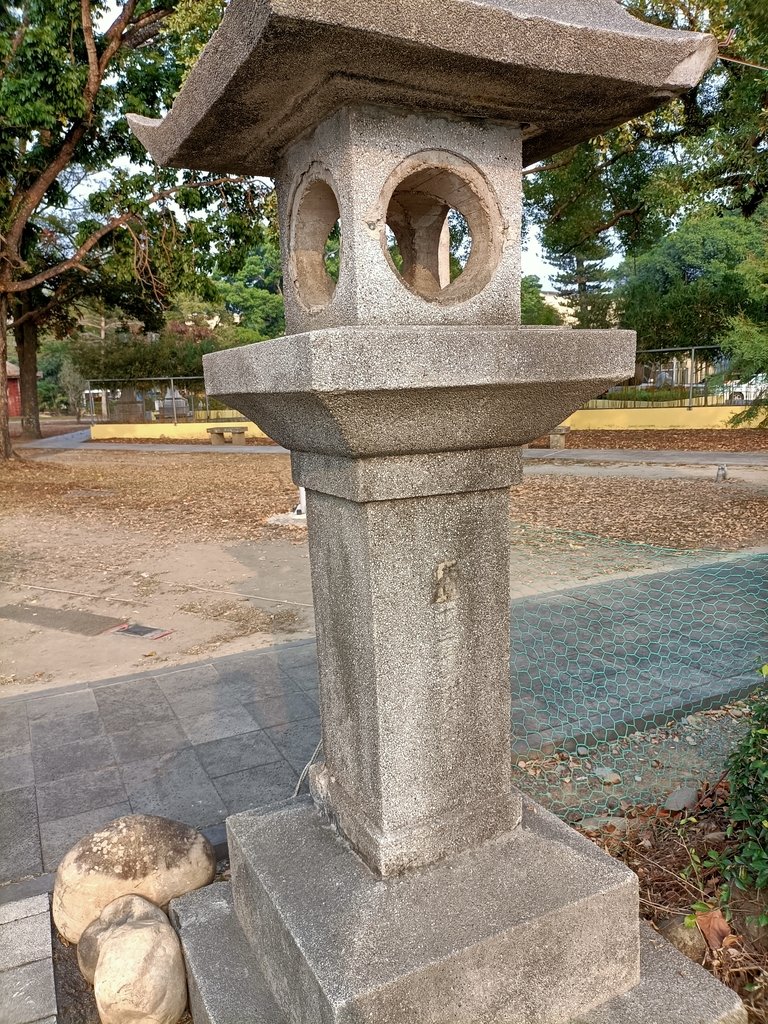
x=27, y=987
x=196, y=743
x=79, y=441
x=205, y=741
x=603, y=660
x=654, y=457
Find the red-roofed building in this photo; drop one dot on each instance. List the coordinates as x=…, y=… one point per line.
x=14, y=390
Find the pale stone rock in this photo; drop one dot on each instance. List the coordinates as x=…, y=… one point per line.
x=608, y=776
x=124, y=910
x=683, y=799
x=688, y=941
x=140, y=975
x=140, y=854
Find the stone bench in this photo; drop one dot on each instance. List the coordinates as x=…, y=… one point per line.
x=558, y=436
x=227, y=434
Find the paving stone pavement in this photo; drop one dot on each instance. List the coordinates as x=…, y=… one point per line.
x=207, y=740
x=195, y=743
x=27, y=988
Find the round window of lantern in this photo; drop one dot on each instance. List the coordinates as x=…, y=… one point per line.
x=316, y=243
x=443, y=228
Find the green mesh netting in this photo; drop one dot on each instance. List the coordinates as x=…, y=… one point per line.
x=604, y=672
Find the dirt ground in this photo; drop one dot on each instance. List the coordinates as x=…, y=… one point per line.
x=181, y=543
x=672, y=440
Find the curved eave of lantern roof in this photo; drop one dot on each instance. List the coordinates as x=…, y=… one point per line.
x=566, y=70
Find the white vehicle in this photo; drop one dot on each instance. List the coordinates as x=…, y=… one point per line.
x=741, y=392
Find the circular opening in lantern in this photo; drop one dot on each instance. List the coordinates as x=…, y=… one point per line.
x=442, y=235
x=316, y=244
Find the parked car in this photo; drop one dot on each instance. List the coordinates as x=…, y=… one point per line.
x=740, y=392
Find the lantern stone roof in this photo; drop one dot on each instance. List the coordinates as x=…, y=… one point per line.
x=567, y=70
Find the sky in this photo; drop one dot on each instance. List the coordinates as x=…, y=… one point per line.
x=534, y=263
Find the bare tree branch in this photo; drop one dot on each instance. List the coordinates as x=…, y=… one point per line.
x=24, y=203
x=605, y=226
x=74, y=262
x=115, y=31
x=94, y=75
x=144, y=29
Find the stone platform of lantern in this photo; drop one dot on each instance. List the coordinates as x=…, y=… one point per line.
x=416, y=885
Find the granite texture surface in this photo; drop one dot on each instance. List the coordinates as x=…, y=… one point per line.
x=671, y=990
x=277, y=68
x=358, y=392
x=412, y=615
x=402, y=171
x=408, y=476
x=225, y=983
x=530, y=928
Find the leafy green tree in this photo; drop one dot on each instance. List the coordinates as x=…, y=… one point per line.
x=84, y=214
x=533, y=306
x=72, y=385
x=626, y=189
x=583, y=285
x=193, y=328
x=255, y=292
x=53, y=354
x=689, y=288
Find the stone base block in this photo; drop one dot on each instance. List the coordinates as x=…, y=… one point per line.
x=227, y=986
x=672, y=990
x=527, y=929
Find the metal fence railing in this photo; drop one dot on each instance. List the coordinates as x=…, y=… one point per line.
x=679, y=378
x=154, y=400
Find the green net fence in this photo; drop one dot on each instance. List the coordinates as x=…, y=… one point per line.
x=627, y=686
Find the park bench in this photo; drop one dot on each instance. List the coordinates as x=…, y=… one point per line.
x=557, y=437
x=227, y=434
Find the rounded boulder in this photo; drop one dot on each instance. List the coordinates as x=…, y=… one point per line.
x=139, y=854
x=140, y=975
x=124, y=910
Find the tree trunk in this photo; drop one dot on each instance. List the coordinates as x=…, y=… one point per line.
x=6, y=451
x=26, y=346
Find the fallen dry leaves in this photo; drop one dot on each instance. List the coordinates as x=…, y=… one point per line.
x=669, y=513
x=209, y=496
x=715, y=928
x=727, y=440
x=242, y=618
x=668, y=853
x=201, y=497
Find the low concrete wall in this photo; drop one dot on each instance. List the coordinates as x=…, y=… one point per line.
x=651, y=419
x=586, y=419
x=158, y=431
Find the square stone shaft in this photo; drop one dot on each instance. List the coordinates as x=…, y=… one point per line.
x=411, y=597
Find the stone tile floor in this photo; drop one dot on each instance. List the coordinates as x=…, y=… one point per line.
x=196, y=743
x=201, y=742
x=27, y=989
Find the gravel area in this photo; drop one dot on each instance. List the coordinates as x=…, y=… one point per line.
x=644, y=768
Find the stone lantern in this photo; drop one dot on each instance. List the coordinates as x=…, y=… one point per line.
x=416, y=885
